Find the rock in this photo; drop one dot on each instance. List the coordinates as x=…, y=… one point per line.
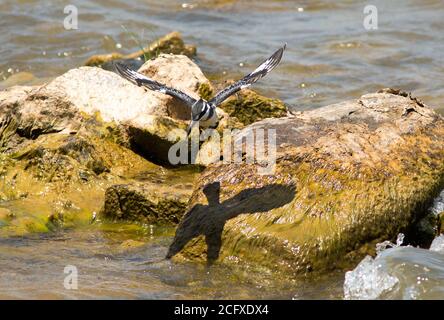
x=93, y=90
x=100, y=59
x=5, y=214
x=190, y=79
x=58, y=155
x=171, y=43
x=422, y=232
x=31, y=113
x=20, y=78
x=130, y=244
x=151, y=119
x=146, y=203
x=347, y=176
x=248, y=107
x=59, y=179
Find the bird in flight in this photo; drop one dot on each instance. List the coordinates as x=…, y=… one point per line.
x=203, y=113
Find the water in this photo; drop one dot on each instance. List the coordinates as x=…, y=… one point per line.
x=400, y=272
x=330, y=57
x=121, y=262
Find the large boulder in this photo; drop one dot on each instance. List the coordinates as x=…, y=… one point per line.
x=142, y=113
x=153, y=121
x=58, y=156
x=346, y=177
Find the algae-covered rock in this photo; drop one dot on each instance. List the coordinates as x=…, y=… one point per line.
x=143, y=114
x=20, y=78
x=170, y=43
x=346, y=176
x=59, y=179
x=147, y=121
x=248, y=107
x=58, y=155
x=155, y=198
x=146, y=203
x=99, y=59
x=150, y=118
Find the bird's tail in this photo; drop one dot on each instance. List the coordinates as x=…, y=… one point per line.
x=191, y=126
x=127, y=73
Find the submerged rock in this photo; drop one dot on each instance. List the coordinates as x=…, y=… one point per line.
x=171, y=43
x=20, y=78
x=346, y=176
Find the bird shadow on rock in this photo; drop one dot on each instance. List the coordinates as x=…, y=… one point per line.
x=209, y=220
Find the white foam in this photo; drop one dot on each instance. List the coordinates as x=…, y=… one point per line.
x=438, y=244
x=380, y=247
x=368, y=281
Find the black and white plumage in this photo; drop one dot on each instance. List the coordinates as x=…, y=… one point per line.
x=203, y=112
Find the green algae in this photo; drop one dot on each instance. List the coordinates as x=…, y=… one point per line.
x=58, y=180
x=205, y=91
x=100, y=59
x=314, y=235
x=8, y=127
x=340, y=210
x=144, y=203
x=248, y=107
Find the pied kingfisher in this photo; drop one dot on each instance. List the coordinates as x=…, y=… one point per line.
x=203, y=112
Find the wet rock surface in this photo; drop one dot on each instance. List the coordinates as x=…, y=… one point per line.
x=146, y=203
x=361, y=171
x=248, y=107
x=62, y=147
x=89, y=132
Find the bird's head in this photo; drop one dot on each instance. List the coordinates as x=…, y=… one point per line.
x=197, y=108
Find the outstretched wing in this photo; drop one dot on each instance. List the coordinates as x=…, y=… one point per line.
x=141, y=80
x=251, y=78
